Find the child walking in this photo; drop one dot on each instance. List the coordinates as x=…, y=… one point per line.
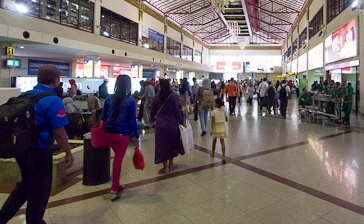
x=218, y=119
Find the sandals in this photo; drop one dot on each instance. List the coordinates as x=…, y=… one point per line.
x=173, y=166
x=114, y=196
x=161, y=171
x=120, y=188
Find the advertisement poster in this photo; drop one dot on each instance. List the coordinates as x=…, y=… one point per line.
x=302, y=63
x=342, y=43
x=315, y=57
x=121, y=71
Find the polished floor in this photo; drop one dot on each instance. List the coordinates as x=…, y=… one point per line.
x=277, y=172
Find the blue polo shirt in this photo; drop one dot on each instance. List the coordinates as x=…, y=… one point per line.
x=49, y=114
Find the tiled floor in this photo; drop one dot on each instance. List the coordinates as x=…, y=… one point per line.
x=277, y=172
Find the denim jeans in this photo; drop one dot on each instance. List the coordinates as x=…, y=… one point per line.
x=204, y=113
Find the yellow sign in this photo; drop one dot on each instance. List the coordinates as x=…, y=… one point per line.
x=10, y=51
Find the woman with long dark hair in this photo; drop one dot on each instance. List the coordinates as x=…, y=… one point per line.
x=119, y=120
x=166, y=113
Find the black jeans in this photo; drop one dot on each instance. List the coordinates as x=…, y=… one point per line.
x=35, y=187
x=283, y=107
x=271, y=102
x=232, y=103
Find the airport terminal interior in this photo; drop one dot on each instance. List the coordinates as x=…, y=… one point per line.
x=277, y=171
x=304, y=169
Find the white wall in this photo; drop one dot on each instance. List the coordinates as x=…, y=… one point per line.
x=152, y=23
x=205, y=56
x=303, y=23
x=174, y=34
x=187, y=41
x=315, y=7
x=122, y=8
x=198, y=47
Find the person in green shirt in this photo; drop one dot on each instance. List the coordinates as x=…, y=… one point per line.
x=347, y=95
x=319, y=87
x=326, y=87
x=334, y=91
x=305, y=98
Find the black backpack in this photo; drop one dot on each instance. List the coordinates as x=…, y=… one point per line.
x=283, y=93
x=17, y=124
x=271, y=92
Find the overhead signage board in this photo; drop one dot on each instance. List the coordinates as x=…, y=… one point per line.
x=12, y=63
x=9, y=51
x=228, y=66
x=34, y=65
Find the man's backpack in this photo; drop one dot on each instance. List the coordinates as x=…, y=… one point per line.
x=17, y=124
x=283, y=93
x=207, y=99
x=271, y=92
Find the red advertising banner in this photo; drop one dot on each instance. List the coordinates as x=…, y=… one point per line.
x=229, y=66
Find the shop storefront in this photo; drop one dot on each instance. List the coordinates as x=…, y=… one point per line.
x=348, y=71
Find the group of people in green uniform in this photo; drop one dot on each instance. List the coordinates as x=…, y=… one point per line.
x=336, y=91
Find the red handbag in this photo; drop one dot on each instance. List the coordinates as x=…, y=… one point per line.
x=138, y=159
x=98, y=136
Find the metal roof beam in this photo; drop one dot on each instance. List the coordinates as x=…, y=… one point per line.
x=180, y=6
x=269, y=13
x=269, y=24
x=201, y=24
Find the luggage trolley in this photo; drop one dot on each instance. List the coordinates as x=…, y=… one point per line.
x=323, y=110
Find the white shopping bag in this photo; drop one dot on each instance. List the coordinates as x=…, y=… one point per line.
x=187, y=137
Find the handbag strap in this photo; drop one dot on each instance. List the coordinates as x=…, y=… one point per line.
x=162, y=106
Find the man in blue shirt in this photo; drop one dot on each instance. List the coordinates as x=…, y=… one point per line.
x=36, y=164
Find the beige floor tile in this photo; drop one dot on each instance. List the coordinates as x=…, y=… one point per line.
x=212, y=211
x=311, y=204
x=342, y=215
x=282, y=212
x=321, y=221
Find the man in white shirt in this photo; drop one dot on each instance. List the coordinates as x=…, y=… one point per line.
x=262, y=89
x=194, y=88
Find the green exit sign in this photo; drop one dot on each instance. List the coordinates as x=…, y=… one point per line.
x=12, y=63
